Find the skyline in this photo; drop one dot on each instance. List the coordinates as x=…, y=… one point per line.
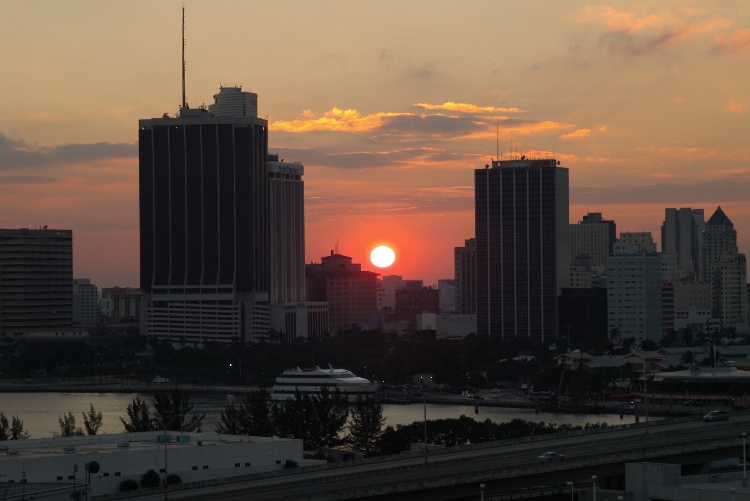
x=389, y=107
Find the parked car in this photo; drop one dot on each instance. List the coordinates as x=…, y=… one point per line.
x=716, y=416
x=549, y=456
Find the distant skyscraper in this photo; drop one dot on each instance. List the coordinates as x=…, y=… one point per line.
x=523, y=247
x=465, y=262
x=726, y=269
x=36, y=281
x=681, y=234
x=204, y=222
x=286, y=198
x=593, y=236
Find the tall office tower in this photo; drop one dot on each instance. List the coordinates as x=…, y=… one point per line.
x=726, y=269
x=681, y=234
x=86, y=309
x=523, y=247
x=36, y=281
x=465, y=262
x=634, y=295
x=204, y=224
x=593, y=236
x=286, y=197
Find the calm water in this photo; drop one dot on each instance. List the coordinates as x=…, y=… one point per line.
x=40, y=411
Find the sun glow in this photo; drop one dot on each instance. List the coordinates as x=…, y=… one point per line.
x=382, y=256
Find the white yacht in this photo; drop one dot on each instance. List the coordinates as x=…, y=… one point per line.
x=311, y=381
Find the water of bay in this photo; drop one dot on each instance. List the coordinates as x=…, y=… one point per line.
x=40, y=411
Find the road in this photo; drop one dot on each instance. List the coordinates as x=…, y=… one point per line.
x=447, y=470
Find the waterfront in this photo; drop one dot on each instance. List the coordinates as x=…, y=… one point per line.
x=40, y=411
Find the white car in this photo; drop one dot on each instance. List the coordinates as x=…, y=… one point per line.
x=549, y=456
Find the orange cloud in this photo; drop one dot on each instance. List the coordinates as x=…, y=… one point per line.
x=736, y=107
x=576, y=134
x=42, y=117
x=466, y=108
x=629, y=33
x=336, y=119
x=731, y=43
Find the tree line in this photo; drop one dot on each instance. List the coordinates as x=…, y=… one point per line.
x=323, y=422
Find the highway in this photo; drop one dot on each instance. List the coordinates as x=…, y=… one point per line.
x=453, y=473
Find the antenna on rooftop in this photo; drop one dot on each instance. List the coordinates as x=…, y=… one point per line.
x=497, y=142
x=183, y=57
x=337, y=246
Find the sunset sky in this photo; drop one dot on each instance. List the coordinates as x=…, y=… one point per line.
x=389, y=104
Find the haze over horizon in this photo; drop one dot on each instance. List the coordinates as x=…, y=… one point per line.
x=389, y=105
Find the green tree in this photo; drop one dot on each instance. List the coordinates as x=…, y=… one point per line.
x=258, y=419
x=317, y=420
x=16, y=429
x=68, y=426
x=12, y=431
x=139, y=417
x=366, y=425
x=171, y=412
x=92, y=420
x=150, y=479
x=231, y=420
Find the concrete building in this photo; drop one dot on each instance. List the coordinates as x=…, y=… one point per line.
x=452, y=326
x=63, y=467
x=726, y=269
x=86, y=309
x=465, y=263
x=681, y=234
x=36, y=281
x=583, y=318
x=447, y=291
x=204, y=203
x=350, y=292
x=387, y=286
x=593, y=236
x=523, y=247
x=634, y=296
x=412, y=301
x=634, y=242
x=121, y=305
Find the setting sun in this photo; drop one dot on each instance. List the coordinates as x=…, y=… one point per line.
x=382, y=256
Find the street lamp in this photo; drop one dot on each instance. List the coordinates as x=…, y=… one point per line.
x=481, y=492
x=424, y=401
x=572, y=498
x=744, y=461
x=593, y=479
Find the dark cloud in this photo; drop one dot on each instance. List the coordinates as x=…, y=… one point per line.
x=701, y=192
x=18, y=154
x=623, y=42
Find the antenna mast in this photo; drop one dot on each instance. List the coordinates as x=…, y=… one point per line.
x=183, y=57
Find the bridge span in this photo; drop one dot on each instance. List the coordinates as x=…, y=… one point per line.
x=454, y=474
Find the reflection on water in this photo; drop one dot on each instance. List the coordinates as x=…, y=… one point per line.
x=40, y=411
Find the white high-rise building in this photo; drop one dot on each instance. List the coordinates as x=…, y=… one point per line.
x=635, y=242
x=86, y=309
x=634, y=295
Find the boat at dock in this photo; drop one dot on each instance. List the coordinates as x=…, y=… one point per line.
x=313, y=381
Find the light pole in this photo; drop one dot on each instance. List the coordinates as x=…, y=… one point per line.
x=744, y=461
x=593, y=479
x=572, y=498
x=481, y=492
x=424, y=401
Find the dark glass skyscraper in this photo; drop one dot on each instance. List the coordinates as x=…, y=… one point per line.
x=204, y=222
x=523, y=247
